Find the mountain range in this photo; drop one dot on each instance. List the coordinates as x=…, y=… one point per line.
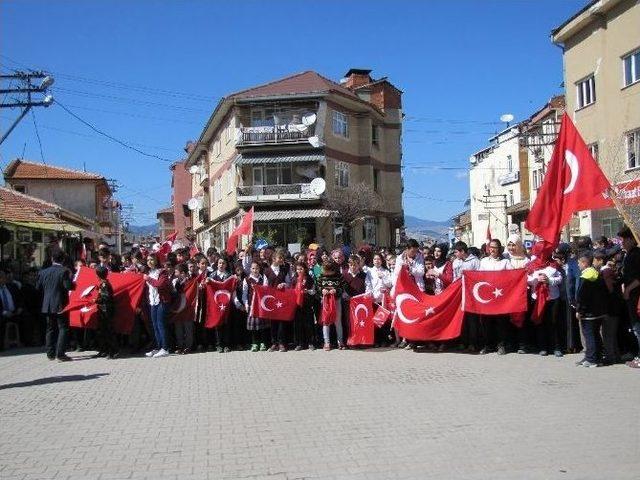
x=421, y=228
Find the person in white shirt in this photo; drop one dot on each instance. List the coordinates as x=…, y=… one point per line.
x=516, y=253
x=413, y=261
x=466, y=261
x=379, y=279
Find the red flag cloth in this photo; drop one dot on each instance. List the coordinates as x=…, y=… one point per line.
x=128, y=289
x=300, y=290
x=495, y=293
x=245, y=228
x=274, y=304
x=165, y=248
x=219, y=301
x=329, y=312
x=573, y=182
x=361, y=331
x=185, y=308
x=193, y=250
x=381, y=316
x=427, y=317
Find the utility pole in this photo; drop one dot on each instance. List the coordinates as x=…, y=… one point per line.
x=26, y=89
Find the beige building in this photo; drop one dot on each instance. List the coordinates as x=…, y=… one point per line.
x=601, y=45
x=287, y=147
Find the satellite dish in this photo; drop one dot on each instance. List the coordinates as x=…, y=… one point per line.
x=309, y=119
x=314, y=141
x=193, y=169
x=193, y=204
x=506, y=118
x=318, y=186
x=300, y=127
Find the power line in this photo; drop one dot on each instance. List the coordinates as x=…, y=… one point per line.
x=419, y=195
x=35, y=125
x=120, y=142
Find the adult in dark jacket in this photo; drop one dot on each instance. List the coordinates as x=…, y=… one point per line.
x=55, y=283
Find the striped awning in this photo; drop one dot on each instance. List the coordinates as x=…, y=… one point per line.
x=273, y=215
x=247, y=159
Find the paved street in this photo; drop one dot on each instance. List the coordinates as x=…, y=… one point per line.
x=354, y=414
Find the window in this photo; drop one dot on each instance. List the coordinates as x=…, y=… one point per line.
x=229, y=181
x=633, y=149
x=593, y=150
x=510, y=163
x=631, y=68
x=342, y=174
x=340, y=124
x=586, y=91
x=272, y=174
x=537, y=178
x=374, y=135
x=217, y=190
x=369, y=230
x=511, y=202
x=611, y=226
x=376, y=179
x=20, y=188
x=216, y=147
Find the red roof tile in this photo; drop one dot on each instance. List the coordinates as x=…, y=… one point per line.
x=305, y=82
x=18, y=207
x=23, y=169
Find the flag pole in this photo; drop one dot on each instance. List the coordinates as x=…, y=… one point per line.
x=626, y=218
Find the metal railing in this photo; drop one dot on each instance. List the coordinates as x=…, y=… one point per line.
x=262, y=135
x=288, y=191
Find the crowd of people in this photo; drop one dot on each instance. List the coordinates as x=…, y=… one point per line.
x=590, y=290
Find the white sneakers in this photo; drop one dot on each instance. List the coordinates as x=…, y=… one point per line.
x=151, y=353
x=161, y=353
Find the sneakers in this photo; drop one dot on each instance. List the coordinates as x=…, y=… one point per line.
x=402, y=344
x=298, y=348
x=327, y=347
x=226, y=350
x=502, y=350
x=254, y=347
x=543, y=353
x=273, y=348
x=282, y=348
x=152, y=353
x=312, y=347
x=558, y=353
x=588, y=364
x=263, y=347
x=161, y=353
x=521, y=351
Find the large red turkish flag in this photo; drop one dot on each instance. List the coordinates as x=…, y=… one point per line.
x=128, y=289
x=274, y=304
x=573, y=182
x=185, y=308
x=361, y=320
x=495, y=293
x=165, y=248
x=219, y=301
x=420, y=316
x=245, y=228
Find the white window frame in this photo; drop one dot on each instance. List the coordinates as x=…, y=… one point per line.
x=586, y=92
x=340, y=124
x=342, y=174
x=594, y=151
x=217, y=190
x=229, y=181
x=632, y=149
x=634, y=64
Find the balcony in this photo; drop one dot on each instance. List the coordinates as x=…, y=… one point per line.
x=274, y=135
x=276, y=193
x=507, y=178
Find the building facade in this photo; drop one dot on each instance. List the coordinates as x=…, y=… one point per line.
x=601, y=56
x=180, y=195
x=287, y=148
x=166, y=223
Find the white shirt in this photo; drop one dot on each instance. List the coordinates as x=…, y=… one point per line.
x=469, y=263
x=379, y=279
x=154, y=296
x=416, y=268
x=494, y=264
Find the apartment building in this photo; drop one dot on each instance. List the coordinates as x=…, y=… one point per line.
x=601, y=56
x=288, y=146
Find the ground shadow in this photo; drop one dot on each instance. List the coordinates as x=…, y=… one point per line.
x=57, y=379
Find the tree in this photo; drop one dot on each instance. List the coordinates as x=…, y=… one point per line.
x=351, y=205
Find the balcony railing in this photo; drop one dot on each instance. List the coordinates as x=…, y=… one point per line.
x=507, y=178
x=269, y=193
x=274, y=135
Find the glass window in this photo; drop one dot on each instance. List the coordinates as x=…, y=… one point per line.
x=340, y=124
x=271, y=175
x=285, y=176
x=586, y=91
x=593, y=150
x=633, y=149
x=631, y=68
x=369, y=230
x=342, y=174
x=374, y=135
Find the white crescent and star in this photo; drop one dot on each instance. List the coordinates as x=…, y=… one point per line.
x=574, y=167
x=366, y=314
x=221, y=292
x=497, y=292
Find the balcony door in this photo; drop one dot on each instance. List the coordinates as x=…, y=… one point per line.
x=258, y=180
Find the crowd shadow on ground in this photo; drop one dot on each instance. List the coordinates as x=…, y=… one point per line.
x=55, y=379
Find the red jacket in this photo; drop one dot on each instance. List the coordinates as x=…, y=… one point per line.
x=163, y=284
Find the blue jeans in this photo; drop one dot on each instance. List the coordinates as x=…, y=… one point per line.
x=592, y=340
x=158, y=313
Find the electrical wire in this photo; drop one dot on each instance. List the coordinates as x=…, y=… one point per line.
x=35, y=125
x=120, y=142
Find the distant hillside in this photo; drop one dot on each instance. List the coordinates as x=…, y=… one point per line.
x=151, y=229
x=421, y=228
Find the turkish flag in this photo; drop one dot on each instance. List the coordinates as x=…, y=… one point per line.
x=128, y=288
x=495, y=293
x=245, y=228
x=219, y=301
x=193, y=250
x=165, y=248
x=185, y=308
x=361, y=320
x=329, y=310
x=427, y=317
x=573, y=182
x=274, y=304
x=381, y=316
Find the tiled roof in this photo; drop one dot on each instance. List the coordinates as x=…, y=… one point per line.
x=165, y=210
x=305, y=82
x=23, y=169
x=263, y=216
x=18, y=207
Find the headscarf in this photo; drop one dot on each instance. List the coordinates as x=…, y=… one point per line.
x=517, y=241
x=444, y=249
x=541, y=258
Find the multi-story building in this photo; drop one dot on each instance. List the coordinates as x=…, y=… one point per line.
x=87, y=194
x=180, y=195
x=287, y=148
x=166, y=223
x=601, y=56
